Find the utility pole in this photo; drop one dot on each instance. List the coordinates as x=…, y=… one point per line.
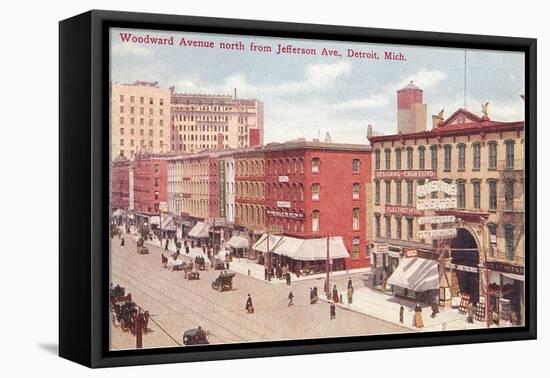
x=327, y=283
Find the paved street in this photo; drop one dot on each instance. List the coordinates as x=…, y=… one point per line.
x=176, y=304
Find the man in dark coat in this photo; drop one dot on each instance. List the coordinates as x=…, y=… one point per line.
x=166, y=244
x=435, y=308
x=332, y=311
x=349, y=283
x=249, y=307
x=401, y=313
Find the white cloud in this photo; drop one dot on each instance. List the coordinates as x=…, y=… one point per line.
x=373, y=101
x=423, y=79
x=133, y=50
x=316, y=77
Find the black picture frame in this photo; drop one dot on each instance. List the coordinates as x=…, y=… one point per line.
x=84, y=187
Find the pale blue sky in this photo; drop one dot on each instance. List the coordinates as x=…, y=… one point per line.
x=303, y=94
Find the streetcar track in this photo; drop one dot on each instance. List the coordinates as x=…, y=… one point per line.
x=207, y=301
x=197, y=313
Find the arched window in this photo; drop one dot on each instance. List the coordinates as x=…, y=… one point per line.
x=461, y=194
x=509, y=145
x=492, y=146
x=315, y=189
x=315, y=165
x=355, y=191
x=447, y=157
x=356, y=219
x=409, y=158
x=355, y=166
x=301, y=192
x=476, y=156
x=461, y=156
x=355, y=248
x=421, y=157
x=315, y=221
x=301, y=166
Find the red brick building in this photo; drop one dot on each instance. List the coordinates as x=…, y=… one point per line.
x=120, y=184
x=315, y=190
x=249, y=189
x=150, y=183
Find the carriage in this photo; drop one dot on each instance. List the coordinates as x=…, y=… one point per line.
x=200, y=263
x=176, y=264
x=195, y=336
x=142, y=250
x=192, y=275
x=224, y=282
x=218, y=264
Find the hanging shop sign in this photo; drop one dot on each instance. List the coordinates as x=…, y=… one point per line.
x=406, y=174
x=285, y=214
x=221, y=189
x=463, y=268
x=435, y=186
x=436, y=203
x=283, y=178
x=444, y=233
x=403, y=210
x=381, y=248
x=505, y=267
x=285, y=204
x=437, y=219
x=411, y=253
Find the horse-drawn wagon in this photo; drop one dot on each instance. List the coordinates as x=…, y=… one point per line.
x=195, y=336
x=224, y=282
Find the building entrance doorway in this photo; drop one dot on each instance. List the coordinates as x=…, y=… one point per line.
x=465, y=263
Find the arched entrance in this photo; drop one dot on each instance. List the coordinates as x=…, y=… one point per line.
x=465, y=263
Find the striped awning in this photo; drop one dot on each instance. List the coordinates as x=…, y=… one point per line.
x=416, y=274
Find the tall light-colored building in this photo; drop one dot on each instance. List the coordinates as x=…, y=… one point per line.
x=207, y=122
x=140, y=119
x=484, y=161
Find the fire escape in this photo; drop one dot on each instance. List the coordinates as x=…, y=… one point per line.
x=511, y=208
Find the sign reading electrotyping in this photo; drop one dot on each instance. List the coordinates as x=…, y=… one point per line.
x=444, y=233
x=402, y=210
x=408, y=174
x=437, y=219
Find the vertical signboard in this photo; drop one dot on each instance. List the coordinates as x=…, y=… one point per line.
x=221, y=210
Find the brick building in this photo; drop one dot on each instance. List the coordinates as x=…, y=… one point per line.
x=484, y=161
x=208, y=122
x=120, y=184
x=314, y=190
x=150, y=183
x=249, y=189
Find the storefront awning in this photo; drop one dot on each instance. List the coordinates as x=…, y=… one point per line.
x=262, y=244
x=303, y=249
x=168, y=224
x=118, y=213
x=200, y=230
x=416, y=274
x=155, y=219
x=513, y=276
x=237, y=242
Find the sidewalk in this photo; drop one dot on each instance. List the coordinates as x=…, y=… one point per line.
x=253, y=269
x=386, y=307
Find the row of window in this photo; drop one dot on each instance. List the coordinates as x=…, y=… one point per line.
x=203, y=128
x=142, y=143
x=141, y=110
x=142, y=100
x=191, y=118
x=460, y=194
x=447, y=156
x=198, y=137
x=141, y=132
x=141, y=121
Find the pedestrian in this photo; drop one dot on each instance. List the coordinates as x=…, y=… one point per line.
x=249, y=307
x=122, y=242
x=401, y=313
x=204, y=249
x=349, y=283
x=186, y=248
x=332, y=311
x=335, y=296
x=166, y=244
x=470, y=313
x=265, y=274
x=435, y=308
x=313, y=296
x=350, y=294
x=417, y=319
x=288, y=279
x=290, y=298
